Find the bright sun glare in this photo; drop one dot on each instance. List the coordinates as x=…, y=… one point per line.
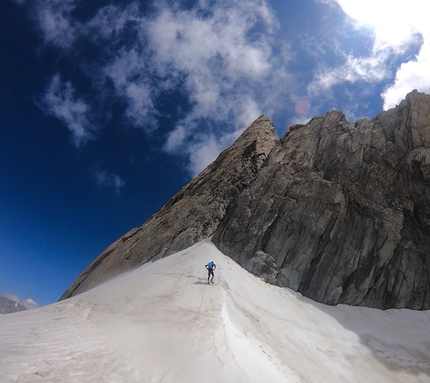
x=394, y=22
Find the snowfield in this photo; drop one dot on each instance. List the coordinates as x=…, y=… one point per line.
x=162, y=323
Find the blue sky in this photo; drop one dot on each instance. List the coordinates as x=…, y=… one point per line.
x=108, y=108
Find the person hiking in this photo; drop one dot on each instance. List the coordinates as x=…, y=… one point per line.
x=210, y=268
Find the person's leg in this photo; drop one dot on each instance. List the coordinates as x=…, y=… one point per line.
x=212, y=274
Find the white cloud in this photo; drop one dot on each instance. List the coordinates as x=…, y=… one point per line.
x=368, y=69
x=397, y=26
x=60, y=101
x=410, y=75
x=131, y=80
x=201, y=149
x=105, y=179
x=110, y=21
x=55, y=21
x=29, y=304
x=203, y=153
x=394, y=24
x=140, y=108
x=175, y=139
x=213, y=54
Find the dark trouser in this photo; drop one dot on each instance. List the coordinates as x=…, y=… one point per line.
x=210, y=272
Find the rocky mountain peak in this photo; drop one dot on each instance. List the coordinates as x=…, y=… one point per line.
x=8, y=306
x=192, y=215
x=337, y=210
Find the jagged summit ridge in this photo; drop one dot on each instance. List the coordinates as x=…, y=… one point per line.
x=337, y=210
x=340, y=211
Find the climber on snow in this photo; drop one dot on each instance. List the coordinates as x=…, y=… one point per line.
x=210, y=268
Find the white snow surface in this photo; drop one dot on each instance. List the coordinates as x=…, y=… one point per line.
x=163, y=323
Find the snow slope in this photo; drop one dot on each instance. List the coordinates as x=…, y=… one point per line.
x=163, y=323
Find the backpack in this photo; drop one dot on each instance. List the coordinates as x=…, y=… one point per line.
x=210, y=265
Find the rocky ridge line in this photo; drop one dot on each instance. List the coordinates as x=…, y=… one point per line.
x=336, y=210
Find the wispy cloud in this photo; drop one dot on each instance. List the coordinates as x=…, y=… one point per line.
x=108, y=180
x=55, y=21
x=176, y=139
x=367, y=69
x=218, y=55
x=129, y=75
x=205, y=149
x=226, y=72
x=60, y=101
x=212, y=55
x=110, y=21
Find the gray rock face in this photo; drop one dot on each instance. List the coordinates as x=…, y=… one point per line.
x=338, y=211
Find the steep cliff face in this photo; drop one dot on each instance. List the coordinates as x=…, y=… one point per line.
x=338, y=211
x=192, y=215
x=341, y=211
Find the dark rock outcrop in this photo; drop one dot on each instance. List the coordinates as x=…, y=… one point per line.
x=338, y=211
